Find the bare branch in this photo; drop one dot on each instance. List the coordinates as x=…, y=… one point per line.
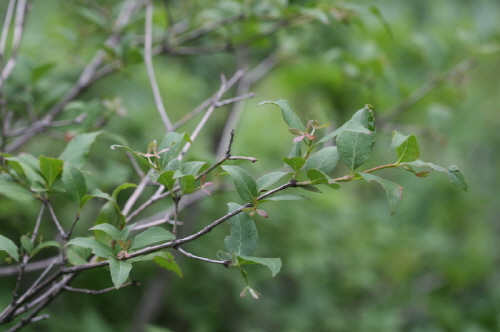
x=225, y=263
x=148, y=60
x=99, y=292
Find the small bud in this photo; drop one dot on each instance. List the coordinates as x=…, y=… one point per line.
x=262, y=213
x=299, y=138
x=254, y=293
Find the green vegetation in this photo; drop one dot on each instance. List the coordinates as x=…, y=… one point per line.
x=206, y=181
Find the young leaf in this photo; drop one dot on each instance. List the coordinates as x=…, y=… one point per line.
x=98, y=248
x=166, y=260
x=173, y=142
x=109, y=214
x=74, y=183
x=243, y=181
x=27, y=244
x=120, y=188
x=406, y=147
x=51, y=168
x=150, y=236
x=78, y=148
x=137, y=154
x=244, y=238
x=192, y=167
x=187, y=184
x=45, y=244
x=30, y=168
x=166, y=179
x=350, y=126
x=119, y=271
x=269, y=179
x=289, y=116
x=324, y=160
x=274, y=264
x=454, y=175
x=9, y=246
x=394, y=191
x=108, y=229
x=355, y=148
x=295, y=163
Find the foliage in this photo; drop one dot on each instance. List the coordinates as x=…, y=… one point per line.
x=96, y=206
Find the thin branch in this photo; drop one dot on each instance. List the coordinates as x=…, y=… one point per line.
x=56, y=221
x=21, y=10
x=225, y=263
x=99, y=292
x=135, y=195
x=5, y=29
x=148, y=60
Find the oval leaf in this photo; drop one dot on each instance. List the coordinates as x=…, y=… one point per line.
x=9, y=246
x=150, y=236
x=243, y=181
x=244, y=238
x=274, y=264
x=98, y=248
x=119, y=271
x=291, y=119
x=394, y=191
x=74, y=183
x=324, y=160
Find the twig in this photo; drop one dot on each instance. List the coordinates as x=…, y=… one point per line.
x=101, y=291
x=56, y=221
x=135, y=195
x=225, y=263
x=6, y=27
x=148, y=60
x=21, y=10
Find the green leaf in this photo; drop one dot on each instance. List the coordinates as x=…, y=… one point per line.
x=137, y=154
x=274, y=264
x=165, y=178
x=224, y=256
x=30, y=168
x=311, y=188
x=296, y=150
x=192, y=167
x=243, y=181
x=295, y=163
x=394, y=191
x=120, y=188
x=291, y=119
x=354, y=148
x=350, y=126
x=74, y=183
x=27, y=244
x=244, y=238
x=74, y=257
x=454, y=175
x=14, y=191
x=166, y=260
x=108, y=229
x=187, y=184
x=109, y=214
x=324, y=160
x=269, y=179
x=78, y=148
x=173, y=142
x=406, y=147
x=9, y=246
x=98, y=248
x=119, y=271
x=316, y=176
x=51, y=168
x=150, y=236
x=43, y=245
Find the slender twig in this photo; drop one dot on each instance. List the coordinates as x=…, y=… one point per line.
x=101, y=291
x=135, y=195
x=225, y=263
x=5, y=29
x=148, y=60
x=38, y=222
x=21, y=10
x=56, y=221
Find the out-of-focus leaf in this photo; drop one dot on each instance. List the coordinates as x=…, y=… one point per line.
x=78, y=148
x=27, y=243
x=167, y=261
x=9, y=246
x=14, y=191
x=285, y=197
x=74, y=183
x=43, y=245
x=173, y=142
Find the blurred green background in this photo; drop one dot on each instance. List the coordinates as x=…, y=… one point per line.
x=347, y=264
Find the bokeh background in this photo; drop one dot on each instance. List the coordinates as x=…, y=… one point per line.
x=348, y=265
